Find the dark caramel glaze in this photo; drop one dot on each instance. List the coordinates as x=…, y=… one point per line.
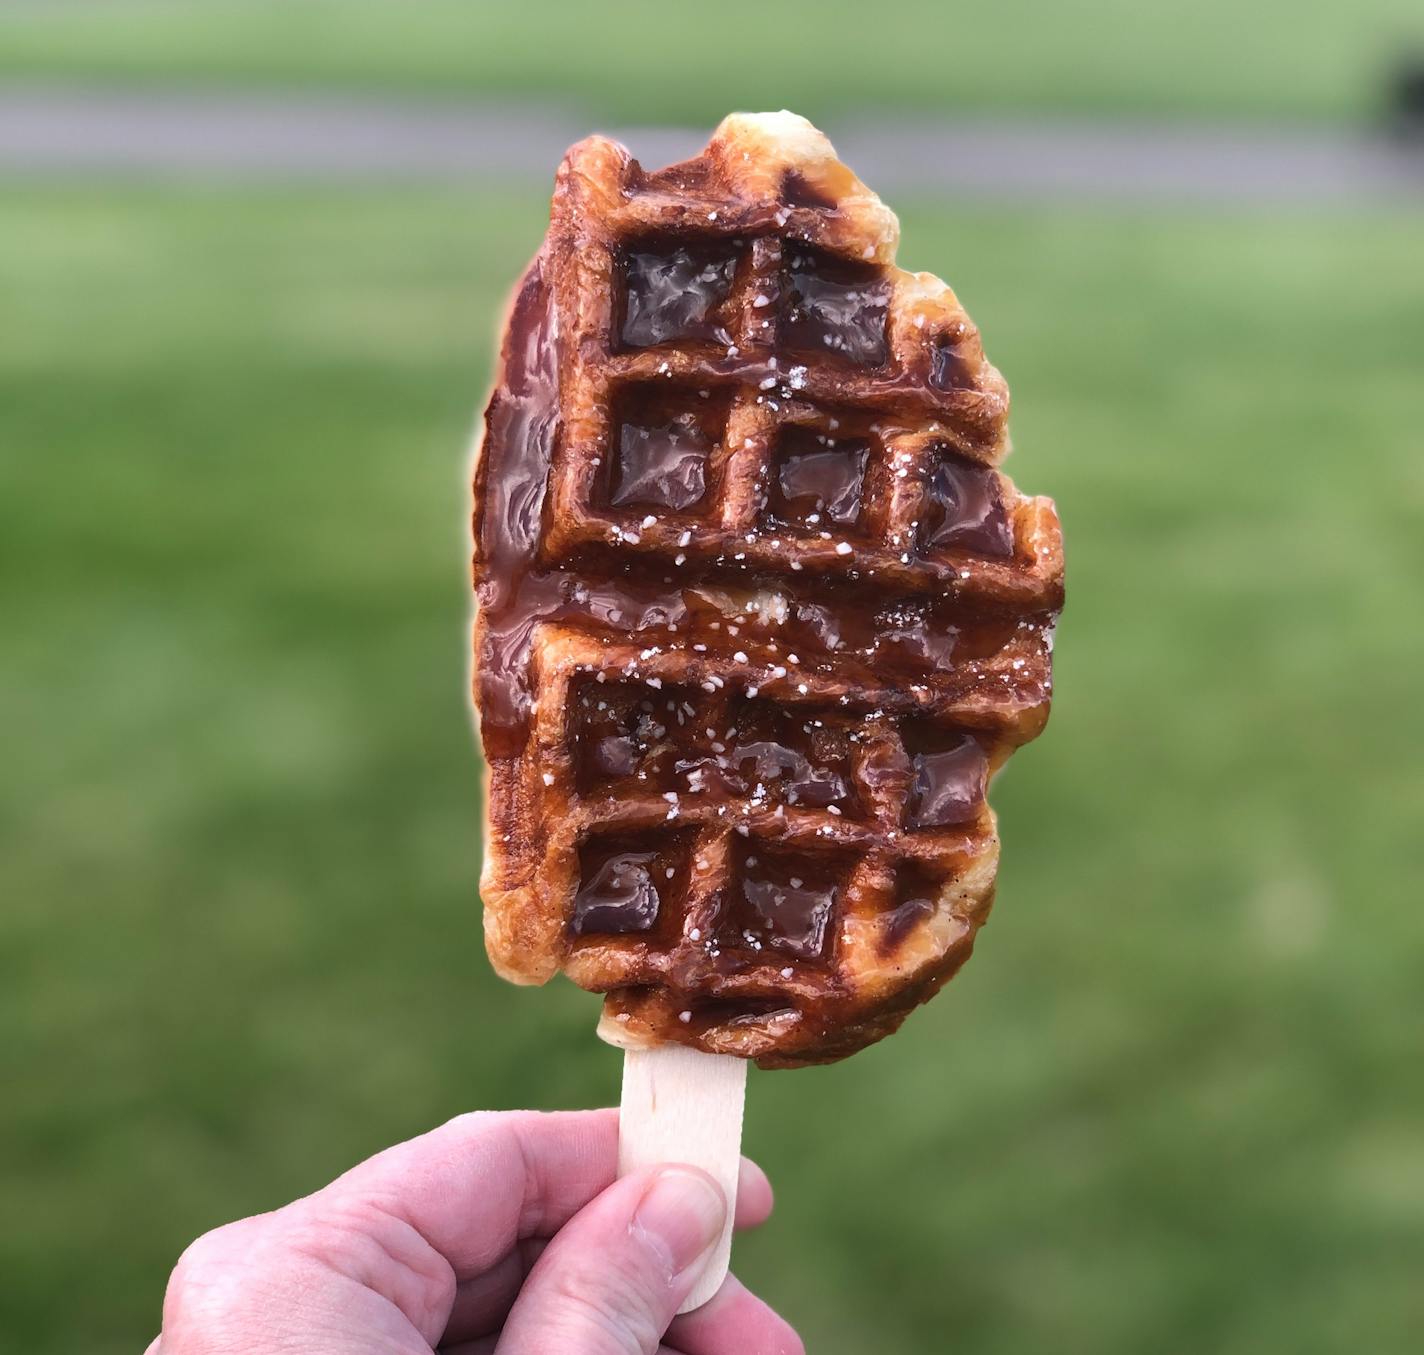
x=796, y=757
x=949, y=771
x=834, y=308
x=674, y=290
x=798, y=191
x=618, y=890
x=780, y=900
x=948, y=368
x=662, y=456
x=512, y=480
x=629, y=731
x=818, y=478
x=965, y=510
x=916, y=893
x=663, y=439
x=675, y=739
x=662, y=466
x=704, y=1014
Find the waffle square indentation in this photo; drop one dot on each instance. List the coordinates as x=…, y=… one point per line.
x=628, y=881
x=674, y=290
x=817, y=479
x=948, y=773
x=964, y=509
x=783, y=900
x=833, y=306
x=663, y=439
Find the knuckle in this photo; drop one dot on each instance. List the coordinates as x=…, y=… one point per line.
x=366, y=1240
x=220, y=1291
x=608, y=1311
x=205, y=1297
x=212, y=1252
x=474, y=1121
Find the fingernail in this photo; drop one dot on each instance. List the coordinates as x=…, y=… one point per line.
x=684, y=1211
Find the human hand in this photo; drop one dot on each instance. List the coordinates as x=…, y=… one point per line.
x=496, y=1234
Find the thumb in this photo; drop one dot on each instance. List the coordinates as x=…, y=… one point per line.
x=612, y=1279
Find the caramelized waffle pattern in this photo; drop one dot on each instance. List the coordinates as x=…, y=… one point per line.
x=757, y=616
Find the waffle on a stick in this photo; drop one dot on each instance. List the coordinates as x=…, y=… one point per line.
x=757, y=616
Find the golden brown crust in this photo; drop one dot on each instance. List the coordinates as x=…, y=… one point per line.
x=737, y=747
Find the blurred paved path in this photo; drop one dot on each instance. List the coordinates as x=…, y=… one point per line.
x=48, y=130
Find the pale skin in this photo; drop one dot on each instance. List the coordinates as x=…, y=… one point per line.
x=496, y=1234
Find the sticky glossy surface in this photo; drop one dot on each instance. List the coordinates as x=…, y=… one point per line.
x=782, y=901
x=522, y=419
x=964, y=510
x=617, y=891
x=663, y=466
x=948, y=368
x=948, y=783
x=673, y=291
x=817, y=478
x=627, y=730
x=795, y=757
x=916, y=896
x=832, y=307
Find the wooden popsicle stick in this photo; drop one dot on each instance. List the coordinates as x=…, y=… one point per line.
x=680, y=1105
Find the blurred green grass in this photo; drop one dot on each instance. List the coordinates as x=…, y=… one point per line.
x=644, y=61
x=1174, y=1102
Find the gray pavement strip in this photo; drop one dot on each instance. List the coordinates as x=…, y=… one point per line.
x=267, y=136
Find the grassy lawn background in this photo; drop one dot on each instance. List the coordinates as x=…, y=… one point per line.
x=1174, y=1102
x=648, y=61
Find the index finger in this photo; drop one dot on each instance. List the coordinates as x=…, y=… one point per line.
x=478, y=1184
